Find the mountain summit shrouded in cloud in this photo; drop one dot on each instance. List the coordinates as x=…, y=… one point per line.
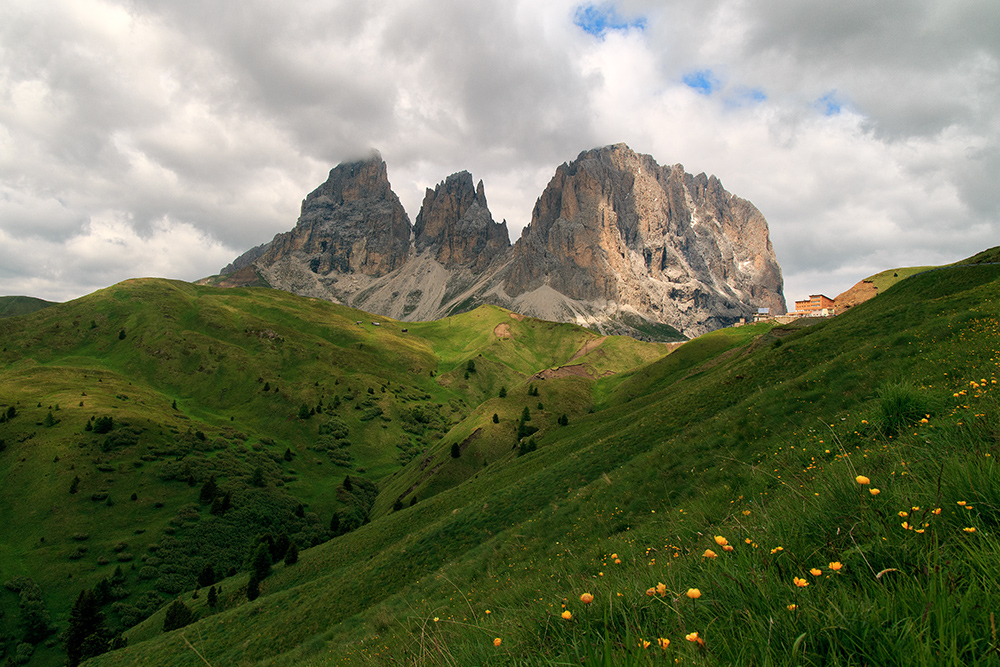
x=148, y=138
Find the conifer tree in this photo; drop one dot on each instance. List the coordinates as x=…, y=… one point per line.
x=292, y=554
x=208, y=491
x=260, y=563
x=207, y=576
x=178, y=615
x=253, y=587
x=85, y=635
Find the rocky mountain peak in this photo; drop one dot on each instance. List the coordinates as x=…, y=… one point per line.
x=456, y=225
x=616, y=242
x=614, y=227
x=352, y=223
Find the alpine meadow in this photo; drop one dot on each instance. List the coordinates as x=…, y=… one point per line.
x=194, y=475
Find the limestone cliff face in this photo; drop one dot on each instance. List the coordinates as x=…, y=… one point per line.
x=352, y=223
x=456, y=226
x=617, y=233
x=616, y=242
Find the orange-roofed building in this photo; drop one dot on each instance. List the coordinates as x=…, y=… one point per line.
x=816, y=305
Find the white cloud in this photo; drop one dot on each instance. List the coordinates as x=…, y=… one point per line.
x=173, y=136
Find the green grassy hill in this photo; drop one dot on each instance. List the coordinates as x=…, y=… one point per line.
x=818, y=495
x=11, y=306
x=120, y=407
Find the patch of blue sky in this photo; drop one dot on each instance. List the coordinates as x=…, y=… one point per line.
x=829, y=104
x=599, y=19
x=704, y=81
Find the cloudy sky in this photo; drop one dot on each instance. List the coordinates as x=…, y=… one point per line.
x=158, y=138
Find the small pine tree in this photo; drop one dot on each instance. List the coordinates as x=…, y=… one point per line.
x=121, y=335
x=526, y=414
x=303, y=411
x=213, y=597
x=267, y=386
x=291, y=554
x=503, y=392
x=253, y=588
x=563, y=420
x=208, y=491
x=335, y=524
x=178, y=615
x=260, y=562
x=456, y=451
x=398, y=505
x=288, y=453
x=348, y=486
x=470, y=367
x=496, y=418
x=49, y=421
x=413, y=501
x=221, y=505
x=257, y=478
x=75, y=484
x=85, y=635
x=207, y=576
x=279, y=547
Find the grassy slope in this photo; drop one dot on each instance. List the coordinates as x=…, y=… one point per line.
x=212, y=351
x=11, y=306
x=883, y=280
x=761, y=441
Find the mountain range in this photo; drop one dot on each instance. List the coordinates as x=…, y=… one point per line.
x=616, y=243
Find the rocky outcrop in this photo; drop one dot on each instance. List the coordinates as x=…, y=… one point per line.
x=351, y=224
x=618, y=235
x=456, y=226
x=616, y=242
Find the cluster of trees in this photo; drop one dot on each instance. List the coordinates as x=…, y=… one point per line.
x=265, y=552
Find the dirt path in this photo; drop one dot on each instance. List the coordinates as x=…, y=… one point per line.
x=577, y=370
x=587, y=348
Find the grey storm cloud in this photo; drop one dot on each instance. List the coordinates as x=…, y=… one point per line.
x=150, y=138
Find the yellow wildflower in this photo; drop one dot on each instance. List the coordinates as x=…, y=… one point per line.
x=836, y=565
x=567, y=614
x=861, y=479
x=496, y=642
x=694, y=593
x=721, y=541
x=586, y=598
x=709, y=554
x=801, y=583
x=664, y=643
x=874, y=492
x=970, y=529
x=815, y=571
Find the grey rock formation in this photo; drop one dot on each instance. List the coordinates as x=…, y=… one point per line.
x=621, y=237
x=455, y=224
x=616, y=242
